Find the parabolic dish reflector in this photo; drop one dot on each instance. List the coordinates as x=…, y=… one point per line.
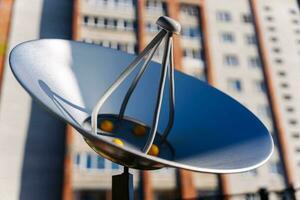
x=211, y=133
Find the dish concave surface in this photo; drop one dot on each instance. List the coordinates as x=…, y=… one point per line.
x=212, y=132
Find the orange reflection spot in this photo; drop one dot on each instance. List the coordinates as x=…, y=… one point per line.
x=154, y=150
x=139, y=130
x=107, y=126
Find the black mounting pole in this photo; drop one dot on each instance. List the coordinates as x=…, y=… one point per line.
x=263, y=194
x=122, y=186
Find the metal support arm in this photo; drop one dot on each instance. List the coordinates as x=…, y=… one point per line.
x=169, y=27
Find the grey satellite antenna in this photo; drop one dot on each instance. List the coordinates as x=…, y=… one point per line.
x=124, y=114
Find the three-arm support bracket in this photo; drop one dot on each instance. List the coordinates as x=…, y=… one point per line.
x=169, y=27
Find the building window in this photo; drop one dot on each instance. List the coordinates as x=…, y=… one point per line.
x=253, y=172
x=87, y=40
x=115, y=166
x=231, y=60
x=297, y=31
x=235, y=85
x=227, y=37
x=287, y=97
x=264, y=111
x=120, y=24
x=191, y=32
x=290, y=109
x=278, y=61
x=192, y=53
x=77, y=159
x=275, y=168
x=284, y=85
x=95, y=20
x=296, y=135
x=159, y=54
x=223, y=16
x=250, y=39
x=281, y=73
x=120, y=47
x=271, y=28
x=100, y=162
x=154, y=5
x=254, y=62
x=127, y=47
x=111, y=23
x=151, y=27
x=107, y=3
x=100, y=22
x=269, y=18
x=127, y=3
x=267, y=8
x=295, y=21
x=276, y=50
x=260, y=86
x=274, y=39
x=292, y=11
x=189, y=10
x=105, y=22
x=293, y=122
x=113, y=45
x=88, y=161
x=131, y=48
x=247, y=18
x=85, y=19
x=128, y=25
x=250, y=196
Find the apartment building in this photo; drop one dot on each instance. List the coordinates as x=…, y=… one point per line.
x=247, y=48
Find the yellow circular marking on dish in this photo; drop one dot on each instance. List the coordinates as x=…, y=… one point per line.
x=154, y=150
x=139, y=130
x=107, y=126
x=118, y=142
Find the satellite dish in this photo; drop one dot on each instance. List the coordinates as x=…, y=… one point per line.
x=211, y=132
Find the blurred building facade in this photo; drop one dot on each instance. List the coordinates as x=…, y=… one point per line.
x=249, y=49
x=32, y=143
